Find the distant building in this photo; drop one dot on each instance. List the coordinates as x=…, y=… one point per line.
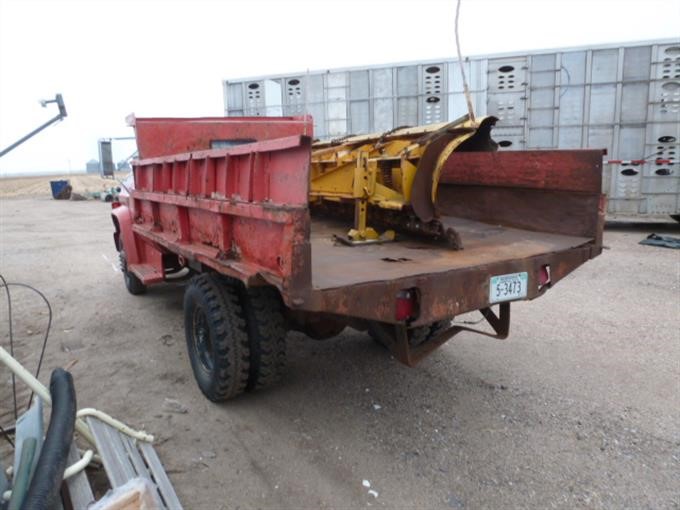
x=92, y=166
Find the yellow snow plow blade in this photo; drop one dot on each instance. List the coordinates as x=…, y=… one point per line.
x=394, y=175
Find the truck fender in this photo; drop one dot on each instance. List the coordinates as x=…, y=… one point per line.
x=122, y=221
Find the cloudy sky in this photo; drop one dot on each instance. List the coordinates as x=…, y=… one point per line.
x=163, y=58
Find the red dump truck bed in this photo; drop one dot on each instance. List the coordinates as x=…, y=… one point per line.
x=229, y=196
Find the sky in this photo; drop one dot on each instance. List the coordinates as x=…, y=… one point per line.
x=110, y=58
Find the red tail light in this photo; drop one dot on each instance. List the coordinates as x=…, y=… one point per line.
x=115, y=204
x=543, y=276
x=406, y=305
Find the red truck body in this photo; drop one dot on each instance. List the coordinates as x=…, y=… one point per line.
x=230, y=195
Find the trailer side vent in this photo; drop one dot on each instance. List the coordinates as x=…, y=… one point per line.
x=432, y=84
x=663, y=171
x=506, y=80
x=667, y=139
x=505, y=143
x=629, y=172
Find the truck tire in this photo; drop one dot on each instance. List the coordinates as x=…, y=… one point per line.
x=217, y=336
x=133, y=284
x=266, y=334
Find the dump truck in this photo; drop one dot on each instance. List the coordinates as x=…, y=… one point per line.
x=395, y=234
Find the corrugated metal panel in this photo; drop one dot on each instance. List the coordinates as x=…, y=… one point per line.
x=433, y=101
x=359, y=110
x=507, y=100
x=383, y=99
x=622, y=98
x=336, y=105
x=476, y=72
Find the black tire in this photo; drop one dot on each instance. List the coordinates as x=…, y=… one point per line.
x=416, y=336
x=217, y=337
x=133, y=284
x=267, y=335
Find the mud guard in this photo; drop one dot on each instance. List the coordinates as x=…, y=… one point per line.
x=122, y=219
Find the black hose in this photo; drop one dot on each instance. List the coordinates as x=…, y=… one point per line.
x=43, y=492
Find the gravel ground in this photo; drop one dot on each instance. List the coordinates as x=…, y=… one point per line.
x=579, y=408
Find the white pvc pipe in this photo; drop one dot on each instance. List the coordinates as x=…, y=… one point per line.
x=77, y=467
x=38, y=388
x=116, y=424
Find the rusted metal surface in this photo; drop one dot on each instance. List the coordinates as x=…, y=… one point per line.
x=548, y=191
x=241, y=211
x=563, y=170
x=169, y=136
x=244, y=211
x=395, y=337
x=444, y=294
x=337, y=266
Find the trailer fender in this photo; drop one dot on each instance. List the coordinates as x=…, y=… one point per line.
x=122, y=221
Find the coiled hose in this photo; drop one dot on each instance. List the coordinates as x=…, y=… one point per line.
x=43, y=493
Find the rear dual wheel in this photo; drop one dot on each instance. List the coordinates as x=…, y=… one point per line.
x=235, y=336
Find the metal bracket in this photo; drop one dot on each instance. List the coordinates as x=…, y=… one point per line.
x=368, y=236
x=398, y=343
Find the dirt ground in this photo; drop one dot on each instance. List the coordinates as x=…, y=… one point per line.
x=580, y=408
x=11, y=187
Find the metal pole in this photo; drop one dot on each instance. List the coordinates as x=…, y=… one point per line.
x=62, y=113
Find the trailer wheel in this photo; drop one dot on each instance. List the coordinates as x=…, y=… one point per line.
x=133, y=284
x=267, y=335
x=216, y=335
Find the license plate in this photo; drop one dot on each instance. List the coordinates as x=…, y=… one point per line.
x=507, y=287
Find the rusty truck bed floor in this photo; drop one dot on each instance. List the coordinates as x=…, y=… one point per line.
x=336, y=265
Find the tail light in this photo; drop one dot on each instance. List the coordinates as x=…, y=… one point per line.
x=115, y=204
x=543, y=276
x=406, y=305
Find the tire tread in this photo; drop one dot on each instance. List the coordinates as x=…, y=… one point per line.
x=267, y=331
x=226, y=317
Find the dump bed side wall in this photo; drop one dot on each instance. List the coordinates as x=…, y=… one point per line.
x=168, y=136
x=546, y=191
x=241, y=211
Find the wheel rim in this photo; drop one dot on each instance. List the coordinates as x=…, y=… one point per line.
x=202, y=342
